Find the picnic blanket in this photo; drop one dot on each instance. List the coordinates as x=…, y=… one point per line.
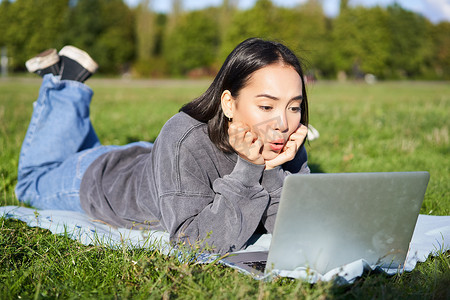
x=431, y=237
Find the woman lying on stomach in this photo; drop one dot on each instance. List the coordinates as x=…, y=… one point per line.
x=215, y=172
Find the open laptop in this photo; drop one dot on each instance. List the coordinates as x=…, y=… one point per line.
x=325, y=221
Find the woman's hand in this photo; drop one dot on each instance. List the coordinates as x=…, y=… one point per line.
x=290, y=149
x=245, y=142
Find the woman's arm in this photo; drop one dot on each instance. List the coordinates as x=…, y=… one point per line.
x=223, y=216
x=272, y=182
x=228, y=214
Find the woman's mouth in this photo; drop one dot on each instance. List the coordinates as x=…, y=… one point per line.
x=277, y=145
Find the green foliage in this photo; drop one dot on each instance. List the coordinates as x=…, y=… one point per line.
x=85, y=14
x=441, y=40
x=105, y=29
x=409, y=49
x=304, y=29
x=361, y=41
x=116, y=43
x=5, y=17
x=193, y=42
x=33, y=26
x=259, y=21
x=150, y=61
x=390, y=42
x=145, y=31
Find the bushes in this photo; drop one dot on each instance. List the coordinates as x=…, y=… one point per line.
x=390, y=42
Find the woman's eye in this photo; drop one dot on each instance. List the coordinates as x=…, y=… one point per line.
x=295, y=109
x=265, y=108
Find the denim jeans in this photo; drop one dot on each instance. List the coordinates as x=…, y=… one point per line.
x=59, y=146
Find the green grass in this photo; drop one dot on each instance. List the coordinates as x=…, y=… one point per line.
x=393, y=126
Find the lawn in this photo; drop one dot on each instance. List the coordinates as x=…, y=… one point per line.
x=388, y=126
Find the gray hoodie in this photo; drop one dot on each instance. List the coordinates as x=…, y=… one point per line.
x=186, y=186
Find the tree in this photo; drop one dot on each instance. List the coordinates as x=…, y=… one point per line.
x=103, y=28
x=5, y=21
x=149, y=37
x=115, y=47
x=145, y=31
x=411, y=47
x=83, y=24
x=34, y=25
x=361, y=41
x=227, y=11
x=193, y=42
x=260, y=21
x=440, y=35
x=304, y=30
x=177, y=10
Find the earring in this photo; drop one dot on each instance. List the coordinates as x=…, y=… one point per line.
x=229, y=119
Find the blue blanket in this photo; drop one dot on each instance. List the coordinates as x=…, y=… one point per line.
x=431, y=237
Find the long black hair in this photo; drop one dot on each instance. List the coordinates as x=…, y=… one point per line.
x=248, y=57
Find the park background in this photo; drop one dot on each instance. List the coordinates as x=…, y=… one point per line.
x=387, y=41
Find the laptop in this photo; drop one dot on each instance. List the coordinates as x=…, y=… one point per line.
x=326, y=221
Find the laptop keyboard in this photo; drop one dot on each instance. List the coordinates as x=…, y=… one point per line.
x=258, y=265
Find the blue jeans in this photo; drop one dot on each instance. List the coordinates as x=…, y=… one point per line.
x=59, y=146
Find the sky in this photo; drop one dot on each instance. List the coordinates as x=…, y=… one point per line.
x=435, y=10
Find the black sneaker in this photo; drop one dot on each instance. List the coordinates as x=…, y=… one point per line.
x=76, y=64
x=44, y=63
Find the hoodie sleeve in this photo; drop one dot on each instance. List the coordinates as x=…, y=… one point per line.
x=223, y=216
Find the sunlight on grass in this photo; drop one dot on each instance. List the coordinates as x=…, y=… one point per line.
x=392, y=126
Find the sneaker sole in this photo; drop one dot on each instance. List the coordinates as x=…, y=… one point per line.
x=80, y=57
x=41, y=62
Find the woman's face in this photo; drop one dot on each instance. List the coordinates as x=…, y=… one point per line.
x=270, y=105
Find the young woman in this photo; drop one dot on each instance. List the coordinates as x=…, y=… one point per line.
x=215, y=172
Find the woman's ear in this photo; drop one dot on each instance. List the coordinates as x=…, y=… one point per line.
x=227, y=102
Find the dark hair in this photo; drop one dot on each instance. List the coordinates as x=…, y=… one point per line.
x=248, y=57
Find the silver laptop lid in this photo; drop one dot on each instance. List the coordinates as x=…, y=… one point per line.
x=325, y=221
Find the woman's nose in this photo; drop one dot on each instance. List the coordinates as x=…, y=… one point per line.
x=281, y=123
